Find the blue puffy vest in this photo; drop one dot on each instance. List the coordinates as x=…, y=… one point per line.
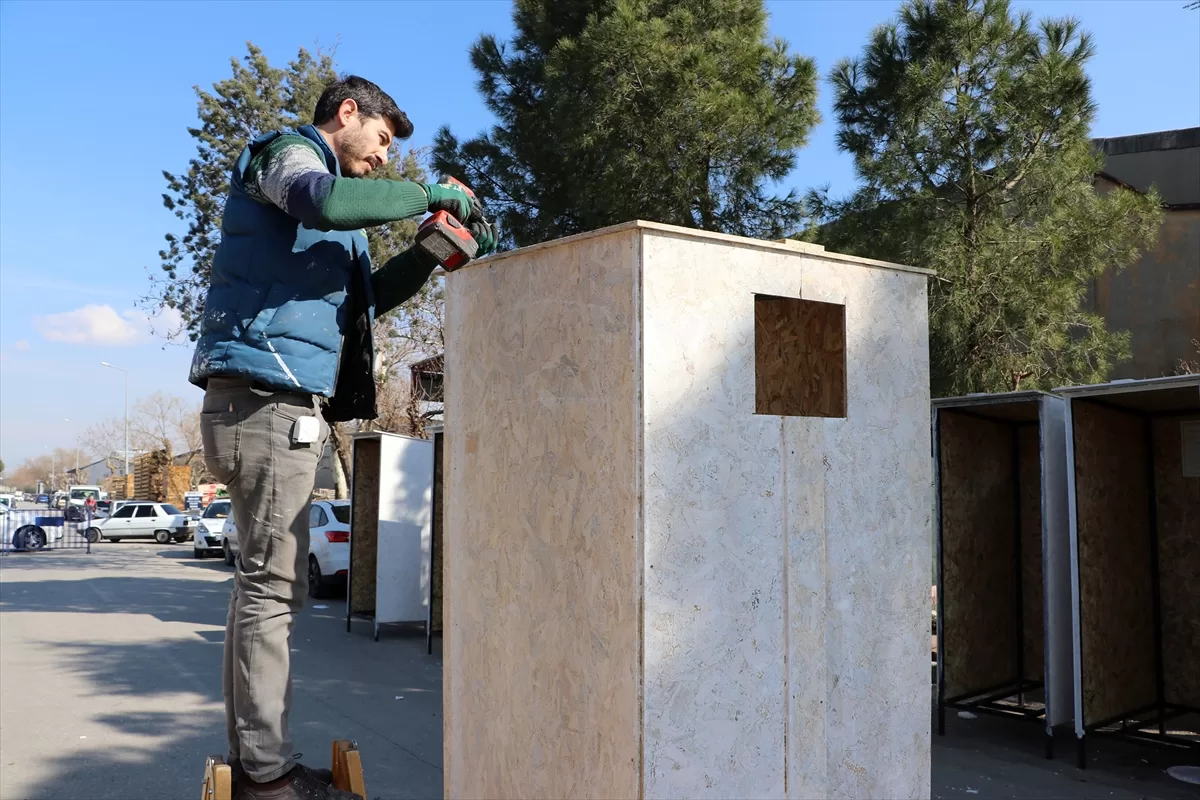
x=279, y=298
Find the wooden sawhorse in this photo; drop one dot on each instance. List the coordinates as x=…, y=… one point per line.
x=347, y=772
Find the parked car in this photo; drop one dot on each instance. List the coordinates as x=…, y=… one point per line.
x=141, y=519
x=209, y=538
x=43, y=500
x=328, y=545
x=31, y=533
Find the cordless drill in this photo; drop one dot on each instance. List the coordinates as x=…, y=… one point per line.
x=445, y=238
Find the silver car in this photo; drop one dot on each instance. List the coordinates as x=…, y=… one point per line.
x=139, y=519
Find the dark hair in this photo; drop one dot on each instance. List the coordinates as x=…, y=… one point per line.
x=372, y=102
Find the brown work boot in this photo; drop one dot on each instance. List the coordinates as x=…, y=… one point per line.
x=298, y=784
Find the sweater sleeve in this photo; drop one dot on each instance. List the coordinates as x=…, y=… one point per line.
x=292, y=175
x=401, y=277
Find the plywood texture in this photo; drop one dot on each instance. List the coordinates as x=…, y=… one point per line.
x=1116, y=616
x=364, y=526
x=652, y=590
x=1178, y=512
x=787, y=558
x=799, y=357
x=1032, y=595
x=542, y=571
x=979, y=582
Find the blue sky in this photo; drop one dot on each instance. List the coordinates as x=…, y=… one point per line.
x=95, y=98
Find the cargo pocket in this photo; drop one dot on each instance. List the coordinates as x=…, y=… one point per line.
x=221, y=433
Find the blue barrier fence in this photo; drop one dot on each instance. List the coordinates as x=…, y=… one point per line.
x=31, y=530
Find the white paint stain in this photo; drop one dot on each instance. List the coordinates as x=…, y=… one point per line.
x=284, y=366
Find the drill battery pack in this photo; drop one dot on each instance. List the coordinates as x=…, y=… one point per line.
x=445, y=239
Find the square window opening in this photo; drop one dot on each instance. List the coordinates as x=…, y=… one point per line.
x=799, y=357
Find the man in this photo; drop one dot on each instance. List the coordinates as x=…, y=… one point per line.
x=285, y=346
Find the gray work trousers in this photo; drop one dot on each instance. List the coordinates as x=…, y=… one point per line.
x=248, y=446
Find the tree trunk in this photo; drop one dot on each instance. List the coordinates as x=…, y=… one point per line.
x=341, y=460
x=169, y=451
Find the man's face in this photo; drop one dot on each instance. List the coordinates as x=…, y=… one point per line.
x=362, y=143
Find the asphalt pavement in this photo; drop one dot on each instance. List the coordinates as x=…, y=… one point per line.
x=110, y=687
x=110, y=680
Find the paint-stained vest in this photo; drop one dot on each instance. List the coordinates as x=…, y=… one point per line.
x=278, y=303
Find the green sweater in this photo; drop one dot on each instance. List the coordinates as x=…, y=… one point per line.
x=291, y=173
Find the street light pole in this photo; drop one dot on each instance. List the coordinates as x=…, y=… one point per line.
x=126, y=374
x=67, y=419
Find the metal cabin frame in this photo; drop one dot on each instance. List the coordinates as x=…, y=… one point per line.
x=1150, y=399
x=1046, y=412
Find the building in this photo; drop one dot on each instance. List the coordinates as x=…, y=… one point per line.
x=427, y=379
x=93, y=474
x=1157, y=299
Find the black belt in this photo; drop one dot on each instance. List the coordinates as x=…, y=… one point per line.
x=234, y=382
x=238, y=382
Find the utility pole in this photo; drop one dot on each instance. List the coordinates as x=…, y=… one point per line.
x=126, y=374
x=76, y=457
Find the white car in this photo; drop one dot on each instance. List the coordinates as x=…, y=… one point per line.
x=209, y=537
x=140, y=519
x=328, y=545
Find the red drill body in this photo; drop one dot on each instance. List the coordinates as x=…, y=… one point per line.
x=445, y=238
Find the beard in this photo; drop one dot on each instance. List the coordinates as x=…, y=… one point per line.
x=353, y=153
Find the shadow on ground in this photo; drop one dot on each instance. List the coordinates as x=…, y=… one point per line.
x=990, y=757
x=157, y=703
x=168, y=599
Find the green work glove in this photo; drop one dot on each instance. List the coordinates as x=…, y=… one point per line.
x=484, y=234
x=451, y=198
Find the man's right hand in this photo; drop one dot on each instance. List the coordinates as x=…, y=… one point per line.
x=450, y=198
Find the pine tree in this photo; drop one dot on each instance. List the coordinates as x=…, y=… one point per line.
x=679, y=111
x=969, y=131
x=255, y=99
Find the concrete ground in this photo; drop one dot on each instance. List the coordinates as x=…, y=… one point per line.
x=995, y=757
x=110, y=682
x=110, y=688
